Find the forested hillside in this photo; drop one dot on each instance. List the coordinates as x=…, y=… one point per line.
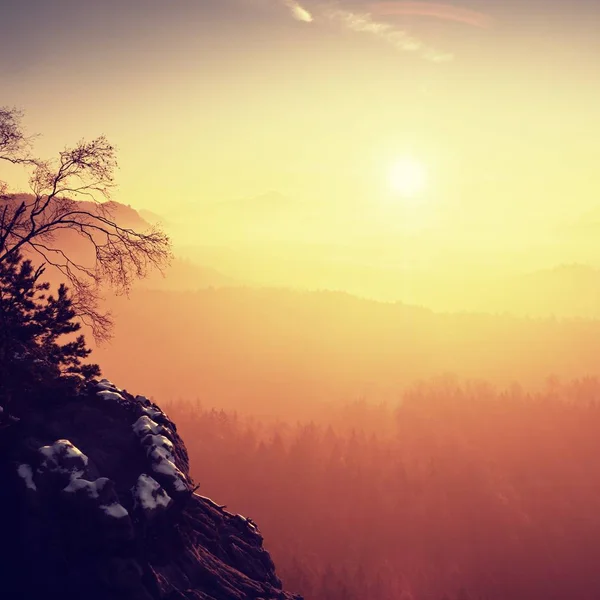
x=459, y=492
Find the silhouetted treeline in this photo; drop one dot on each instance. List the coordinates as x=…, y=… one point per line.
x=459, y=492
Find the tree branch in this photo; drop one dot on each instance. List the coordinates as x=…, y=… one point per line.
x=120, y=254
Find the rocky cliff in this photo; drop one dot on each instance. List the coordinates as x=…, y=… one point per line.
x=96, y=503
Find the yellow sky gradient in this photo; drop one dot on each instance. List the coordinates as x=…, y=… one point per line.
x=246, y=100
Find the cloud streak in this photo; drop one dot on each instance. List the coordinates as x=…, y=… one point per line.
x=446, y=12
x=298, y=11
x=367, y=22
x=398, y=38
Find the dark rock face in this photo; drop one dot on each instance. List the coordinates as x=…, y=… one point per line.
x=96, y=503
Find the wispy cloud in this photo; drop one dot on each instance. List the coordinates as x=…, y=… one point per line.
x=399, y=38
x=298, y=11
x=369, y=21
x=446, y=12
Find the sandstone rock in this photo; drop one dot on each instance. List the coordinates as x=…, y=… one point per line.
x=97, y=503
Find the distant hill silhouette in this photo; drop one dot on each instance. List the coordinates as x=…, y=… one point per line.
x=153, y=218
x=182, y=274
x=562, y=291
x=566, y=290
x=274, y=349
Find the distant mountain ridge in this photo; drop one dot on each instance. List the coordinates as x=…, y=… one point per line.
x=181, y=274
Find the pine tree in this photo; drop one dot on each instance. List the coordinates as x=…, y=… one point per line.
x=34, y=361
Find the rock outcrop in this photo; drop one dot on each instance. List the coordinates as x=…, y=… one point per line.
x=96, y=503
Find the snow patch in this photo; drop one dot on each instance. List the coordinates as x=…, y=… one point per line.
x=114, y=510
x=145, y=425
x=162, y=465
x=160, y=449
x=26, y=473
x=105, y=384
x=158, y=453
x=109, y=395
x=153, y=413
x=63, y=457
x=149, y=495
x=91, y=488
x=158, y=441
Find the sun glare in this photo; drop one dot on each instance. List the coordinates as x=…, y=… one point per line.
x=408, y=177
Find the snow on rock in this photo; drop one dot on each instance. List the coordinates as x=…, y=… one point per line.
x=143, y=400
x=109, y=395
x=149, y=496
x=145, y=425
x=98, y=502
x=126, y=523
x=153, y=413
x=159, y=441
x=91, y=489
x=158, y=453
x=160, y=450
x=163, y=465
x=26, y=473
x=105, y=384
x=64, y=458
x=114, y=510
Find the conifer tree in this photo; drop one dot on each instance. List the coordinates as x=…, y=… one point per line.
x=40, y=355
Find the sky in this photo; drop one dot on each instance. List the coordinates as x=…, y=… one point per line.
x=215, y=100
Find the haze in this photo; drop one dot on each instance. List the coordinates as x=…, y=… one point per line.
x=245, y=122
x=380, y=332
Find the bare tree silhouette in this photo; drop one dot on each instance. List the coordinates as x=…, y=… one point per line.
x=30, y=223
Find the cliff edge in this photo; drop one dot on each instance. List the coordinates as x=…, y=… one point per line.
x=96, y=503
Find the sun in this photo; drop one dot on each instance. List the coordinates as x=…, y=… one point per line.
x=408, y=177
